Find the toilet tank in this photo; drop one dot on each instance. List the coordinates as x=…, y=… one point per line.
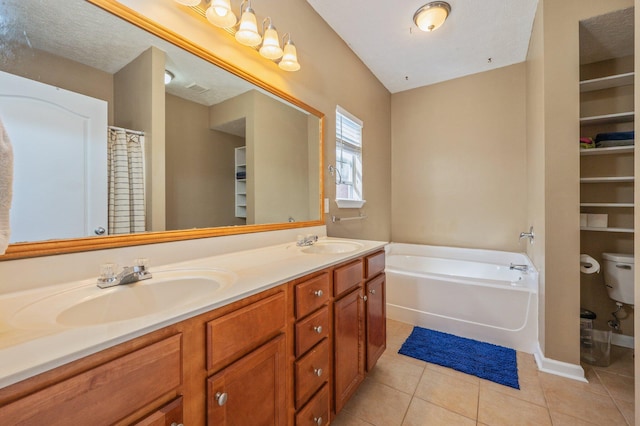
x=618, y=276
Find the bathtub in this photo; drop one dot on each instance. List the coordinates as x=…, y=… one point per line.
x=467, y=292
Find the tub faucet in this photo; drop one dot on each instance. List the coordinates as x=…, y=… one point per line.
x=128, y=275
x=528, y=235
x=523, y=268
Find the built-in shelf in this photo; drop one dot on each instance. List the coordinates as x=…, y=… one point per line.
x=623, y=205
x=240, y=163
x=620, y=230
x=607, y=179
x=609, y=150
x=619, y=117
x=607, y=82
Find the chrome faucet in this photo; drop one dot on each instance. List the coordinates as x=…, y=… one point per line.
x=128, y=275
x=523, y=268
x=306, y=241
x=528, y=235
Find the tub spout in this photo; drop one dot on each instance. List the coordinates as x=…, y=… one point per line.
x=523, y=268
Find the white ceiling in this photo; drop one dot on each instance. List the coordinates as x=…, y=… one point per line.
x=606, y=36
x=478, y=36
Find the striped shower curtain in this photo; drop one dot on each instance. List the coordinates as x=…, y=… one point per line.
x=125, y=162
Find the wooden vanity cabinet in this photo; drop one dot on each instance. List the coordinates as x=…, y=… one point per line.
x=376, y=314
x=168, y=415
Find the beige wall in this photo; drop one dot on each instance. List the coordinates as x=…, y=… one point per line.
x=200, y=173
x=331, y=74
x=459, y=162
x=139, y=103
x=552, y=134
x=57, y=71
x=636, y=215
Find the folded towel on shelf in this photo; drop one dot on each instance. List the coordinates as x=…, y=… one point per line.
x=586, y=143
x=241, y=175
x=610, y=143
x=6, y=187
x=614, y=136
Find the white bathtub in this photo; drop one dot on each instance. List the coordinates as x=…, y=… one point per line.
x=467, y=292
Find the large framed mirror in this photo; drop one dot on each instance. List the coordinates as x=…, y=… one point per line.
x=209, y=151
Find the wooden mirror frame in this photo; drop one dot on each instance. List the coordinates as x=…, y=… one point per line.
x=74, y=245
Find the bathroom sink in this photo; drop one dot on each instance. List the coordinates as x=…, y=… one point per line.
x=88, y=305
x=332, y=247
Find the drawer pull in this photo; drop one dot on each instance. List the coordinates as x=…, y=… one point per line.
x=317, y=421
x=318, y=329
x=318, y=293
x=372, y=291
x=221, y=398
x=317, y=371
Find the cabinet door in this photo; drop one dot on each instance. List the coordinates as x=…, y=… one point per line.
x=250, y=391
x=349, y=346
x=376, y=320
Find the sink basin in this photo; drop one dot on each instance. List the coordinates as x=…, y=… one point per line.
x=89, y=305
x=332, y=247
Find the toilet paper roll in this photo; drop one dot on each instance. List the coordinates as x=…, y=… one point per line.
x=588, y=265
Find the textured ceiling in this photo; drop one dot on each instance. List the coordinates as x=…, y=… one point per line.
x=477, y=36
x=84, y=33
x=606, y=36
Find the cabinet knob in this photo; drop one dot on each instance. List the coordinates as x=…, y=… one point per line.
x=317, y=371
x=318, y=293
x=365, y=298
x=372, y=291
x=176, y=424
x=317, y=421
x=221, y=398
x=317, y=329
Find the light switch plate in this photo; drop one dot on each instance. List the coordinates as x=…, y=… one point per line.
x=326, y=205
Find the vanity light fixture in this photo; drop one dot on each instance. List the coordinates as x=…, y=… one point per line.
x=289, y=61
x=220, y=14
x=271, y=42
x=247, y=33
x=432, y=15
x=168, y=76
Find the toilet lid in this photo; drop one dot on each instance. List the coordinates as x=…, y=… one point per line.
x=618, y=257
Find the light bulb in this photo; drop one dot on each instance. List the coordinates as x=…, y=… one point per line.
x=271, y=44
x=289, y=60
x=220, y=14
x=248, y=34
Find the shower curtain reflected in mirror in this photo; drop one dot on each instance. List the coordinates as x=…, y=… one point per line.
x=125, y=165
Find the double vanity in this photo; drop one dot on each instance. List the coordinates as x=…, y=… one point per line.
x=282, y=334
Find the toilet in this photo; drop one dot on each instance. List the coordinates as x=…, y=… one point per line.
x=618, y=276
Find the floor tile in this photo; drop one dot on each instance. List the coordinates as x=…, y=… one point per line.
x=396, y=373
x=585, y=405
x=450, y=392
x=423, y=413
x=551, y=381
x=622, y=361
x=454, y=373
x=346, y=419
x=620, y=387
x=378, y=404
x=530, y=389
x=560, y=419
x=497, y=409
x=628, y=411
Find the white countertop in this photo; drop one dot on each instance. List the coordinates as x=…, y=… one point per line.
x=28, y=351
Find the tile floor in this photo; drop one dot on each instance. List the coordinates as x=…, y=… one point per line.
x=409, y=392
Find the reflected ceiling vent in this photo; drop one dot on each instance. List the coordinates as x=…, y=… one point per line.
x=196, y=88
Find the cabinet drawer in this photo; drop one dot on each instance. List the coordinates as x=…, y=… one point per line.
x=237, y=333
x=311, y=330
x=316, y=412
x=169, y=414
x=104, y=394
x=347, y=277
x=311, y=294
x=312, y=370
x=373, y=264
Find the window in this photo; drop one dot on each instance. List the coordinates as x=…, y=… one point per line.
x=348, y=160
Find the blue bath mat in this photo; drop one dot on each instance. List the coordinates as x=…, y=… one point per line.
x=487, y=361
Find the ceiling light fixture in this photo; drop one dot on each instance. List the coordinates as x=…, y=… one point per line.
x=220, y=14
x=432, y=15
x=168, y=76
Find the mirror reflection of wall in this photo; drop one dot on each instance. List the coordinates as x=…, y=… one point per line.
x=190, y=178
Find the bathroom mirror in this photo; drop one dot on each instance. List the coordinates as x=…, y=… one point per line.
x=224, y=153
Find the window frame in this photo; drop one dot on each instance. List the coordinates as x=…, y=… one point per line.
x=356, y=200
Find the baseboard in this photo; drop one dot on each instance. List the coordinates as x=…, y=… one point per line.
x=559, y=368
x=622, y=340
